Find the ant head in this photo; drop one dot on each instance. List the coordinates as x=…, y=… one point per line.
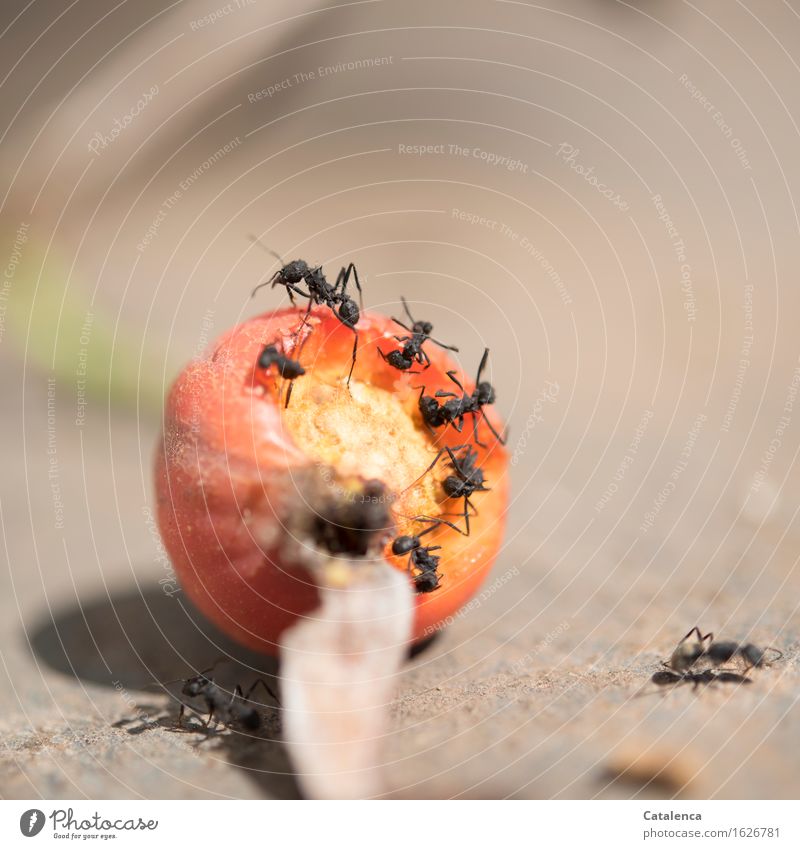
x=402, y=545
x=485, y=393
x=355, y=520
x=687, y=653
x=428, y=406
x=267, y=357
x=454, y=486
x=294, y=271
x=348, y=312
x=423, y=327
x=194, y=686
x=373, y=488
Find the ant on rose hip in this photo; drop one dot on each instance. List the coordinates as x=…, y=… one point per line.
x=286, y=367
x=421, y=563
x=453, y=411
x=319, y=292
x=412, y=352
x=466, y=479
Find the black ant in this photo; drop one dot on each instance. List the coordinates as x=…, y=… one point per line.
x=355, y=520
x=468, y=478
x=228, y=708
x=412, y=351
x=320, y=292
x=405, y=544
x=421, y=561
x=289, y=276
x=665, y=677
x=287, y=368
x=453, y=411
x=688, y=652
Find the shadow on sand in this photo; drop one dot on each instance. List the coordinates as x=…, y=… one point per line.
x=137, y=640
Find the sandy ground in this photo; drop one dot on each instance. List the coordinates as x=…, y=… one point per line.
x=643, y=346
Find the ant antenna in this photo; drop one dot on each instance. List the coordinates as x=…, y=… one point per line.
x=450, y=451
x=408, y=311
x=778, y=653
x=253, y=238
x=221, y=659
x=482, y=366
x=433, y=521
x=437, y=521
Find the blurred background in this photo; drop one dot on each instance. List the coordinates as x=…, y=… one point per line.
x=604, y=193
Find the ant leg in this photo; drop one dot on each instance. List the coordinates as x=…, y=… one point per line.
x=210, y=715
x=733, y=678
x=270, y=691
x=272, y=280
x=180, y=715
x=440, y=393
x=436, y=459
x=303, y=323
x=426, y=358
x=442, y=345
x=475, y=430
x=288, y=395
x=344, y=278
x=305, y=317
x=709, y=636
x=265, y=686
x=472, y=507
x=454, y=461
x=237, y=692
x=501, y=439
x=298, y=352
x=358, y=286
x=292, y=289
x=355, y=351
x=452, y=375
x=434, y=523
x=437, y=521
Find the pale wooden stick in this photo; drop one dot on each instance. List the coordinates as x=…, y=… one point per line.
x=339, y=669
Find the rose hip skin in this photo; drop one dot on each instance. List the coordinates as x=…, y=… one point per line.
x=233, y=467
